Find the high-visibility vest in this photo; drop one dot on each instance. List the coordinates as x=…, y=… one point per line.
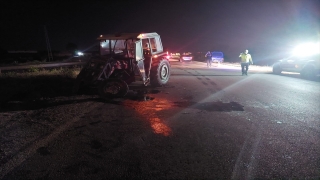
x=245, y=58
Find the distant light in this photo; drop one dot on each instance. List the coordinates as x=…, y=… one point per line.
x=101, y=35
x=140, y=36
x=80, y=53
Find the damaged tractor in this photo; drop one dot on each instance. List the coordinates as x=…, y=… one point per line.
x=124, y=59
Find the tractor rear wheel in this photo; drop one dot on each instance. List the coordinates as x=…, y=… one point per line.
x=160, y=73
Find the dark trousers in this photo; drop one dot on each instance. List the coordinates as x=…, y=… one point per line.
x=244, y=68
x=208, y=62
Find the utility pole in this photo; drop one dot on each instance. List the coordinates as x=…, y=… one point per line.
x=50, y=57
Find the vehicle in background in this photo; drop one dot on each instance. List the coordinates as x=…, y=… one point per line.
x=186, y=56
x=217, y=56
x=199, y=56
x=305, y=60
x=175, y=55
x=308, y=68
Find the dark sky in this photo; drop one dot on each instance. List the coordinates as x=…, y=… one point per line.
x=262, y=26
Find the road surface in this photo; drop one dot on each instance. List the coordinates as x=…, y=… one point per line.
x=206, y=123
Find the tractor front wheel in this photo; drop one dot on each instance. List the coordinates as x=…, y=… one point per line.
x=113, y=88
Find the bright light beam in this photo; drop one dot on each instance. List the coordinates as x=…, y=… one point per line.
x=307, y=49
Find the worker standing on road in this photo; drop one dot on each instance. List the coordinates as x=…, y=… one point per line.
x=208, y=58
x=246, y=60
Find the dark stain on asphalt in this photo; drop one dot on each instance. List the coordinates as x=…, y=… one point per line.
x=212, y=106
x=95, y=144
x=43, y=151
x=96, y=122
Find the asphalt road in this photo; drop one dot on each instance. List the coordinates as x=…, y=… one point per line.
x=206, y=123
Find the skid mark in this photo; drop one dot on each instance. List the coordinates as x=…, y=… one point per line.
x=213, y=83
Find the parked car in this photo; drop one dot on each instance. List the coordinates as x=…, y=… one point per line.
x=186, y=56
x=308, y=67
x=175, y=55
x=217, y=56
x=305, y=59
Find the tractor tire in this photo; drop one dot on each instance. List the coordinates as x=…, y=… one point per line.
x=112, y=88
x=160, y=73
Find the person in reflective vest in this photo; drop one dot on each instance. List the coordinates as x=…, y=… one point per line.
x=246, y=60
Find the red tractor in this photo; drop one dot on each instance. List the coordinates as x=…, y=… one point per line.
x=125, y=58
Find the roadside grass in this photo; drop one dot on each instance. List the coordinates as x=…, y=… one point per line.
x=35, y=72
x=36, y=84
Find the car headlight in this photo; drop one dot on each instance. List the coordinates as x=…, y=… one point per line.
x=306, y=49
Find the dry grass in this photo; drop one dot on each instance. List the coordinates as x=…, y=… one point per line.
x=36, y=84
x=34, y=72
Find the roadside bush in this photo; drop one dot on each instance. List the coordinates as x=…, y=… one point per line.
x=33, y=69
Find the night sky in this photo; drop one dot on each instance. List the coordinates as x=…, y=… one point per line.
x=268, y=28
